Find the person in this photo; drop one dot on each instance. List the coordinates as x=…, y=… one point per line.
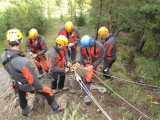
x=58, y=57
x=23, y=76
x=91, y=55
x=36, y=46
x=110, y=50
x=72, y=34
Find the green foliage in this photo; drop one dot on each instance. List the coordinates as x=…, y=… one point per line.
x=77, y=9
x=150, y=48
x=140, y=16
x=149, y=70
x=24, y=16
x=72, y=4
x=124, y=113
x=61, y=17
x=80, y=20
x=3, y=28
x=124, y=53
x=154, y=110
x=113, y=87
x=36, y=17
x=73, y=115
x=134, y=93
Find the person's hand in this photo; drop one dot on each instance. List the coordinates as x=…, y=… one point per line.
x=71, y=37
x=70, y=45
x=30, y=53
x=34, y=55
x=66, y=70
x=90, y=68
x=68, y=64
x=76, y=65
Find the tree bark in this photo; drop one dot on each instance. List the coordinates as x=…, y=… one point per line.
x=99, y=18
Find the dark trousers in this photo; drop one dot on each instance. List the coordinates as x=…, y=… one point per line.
x=23, y=100
x=72, y=54
x=107, y=64
x=87, y=86
x=58, y=83
x=40, y=70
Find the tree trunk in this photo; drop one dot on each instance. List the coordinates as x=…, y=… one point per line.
x=120, y=29
x=108, y=20
x=140, y=43
x=99, y=18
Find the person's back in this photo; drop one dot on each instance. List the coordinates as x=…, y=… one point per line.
x=23, y=75
x=112, y=46
x=110, y=50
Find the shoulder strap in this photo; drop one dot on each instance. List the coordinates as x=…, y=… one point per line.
x=30, y=41
x=109, y=37
x=58, y=51
x=87, y=52
x=38, y=43
x=94, y=44
x=10, y=58
x=39, y=40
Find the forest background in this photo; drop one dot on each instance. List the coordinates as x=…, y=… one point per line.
x=135, y=24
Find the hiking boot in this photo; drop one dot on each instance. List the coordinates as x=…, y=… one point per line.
x=87, y=100
x=64, y=89
x=61, y=107
x=26, y=111
x=55, y=91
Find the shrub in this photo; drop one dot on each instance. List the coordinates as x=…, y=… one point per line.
x=81, y=20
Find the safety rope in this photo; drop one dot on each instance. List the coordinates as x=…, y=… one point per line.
x=32, y=58
x=118, y=94
x=122, y=98
x=75, y=60
x=124, y=80
x=78, y=78
x=33, y=64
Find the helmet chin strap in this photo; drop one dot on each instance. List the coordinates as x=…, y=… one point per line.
x=20, y=41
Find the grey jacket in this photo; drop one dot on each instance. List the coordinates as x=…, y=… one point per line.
x=20, y=71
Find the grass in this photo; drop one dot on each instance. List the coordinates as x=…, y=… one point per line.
x=147, y=69
x=126, y=115
x=66, y=116
x=135, y=94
